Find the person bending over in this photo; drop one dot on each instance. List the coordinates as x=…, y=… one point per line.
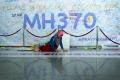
x=52, y=45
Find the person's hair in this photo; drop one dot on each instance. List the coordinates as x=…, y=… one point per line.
x=59, y=32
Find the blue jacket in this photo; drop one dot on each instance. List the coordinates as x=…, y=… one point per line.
x=53, y=41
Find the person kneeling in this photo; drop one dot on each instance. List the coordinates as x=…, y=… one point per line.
x=53, y=44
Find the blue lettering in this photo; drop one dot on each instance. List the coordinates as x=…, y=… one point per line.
x=36, y=18
x=44, y=21
x=63, y=19
x=86, y=18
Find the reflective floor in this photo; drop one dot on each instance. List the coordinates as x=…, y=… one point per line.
x=36, y=67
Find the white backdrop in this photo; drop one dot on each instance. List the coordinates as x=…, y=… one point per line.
x=12, y=18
